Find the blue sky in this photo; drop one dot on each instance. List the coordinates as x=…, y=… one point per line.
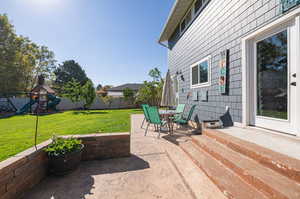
x=115, y=41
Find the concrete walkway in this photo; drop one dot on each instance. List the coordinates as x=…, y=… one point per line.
x=286, y=144
x=157, y=169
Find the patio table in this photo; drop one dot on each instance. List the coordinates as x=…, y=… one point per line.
x=168, y=115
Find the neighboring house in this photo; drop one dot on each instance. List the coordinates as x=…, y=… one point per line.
x=249, y=39
x=118, y=90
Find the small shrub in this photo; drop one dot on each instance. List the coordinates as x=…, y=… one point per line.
x=63, y=146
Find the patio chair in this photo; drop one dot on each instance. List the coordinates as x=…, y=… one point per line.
x=154, y=118
x=146, y=115
x=179, y=111
x=184, y=121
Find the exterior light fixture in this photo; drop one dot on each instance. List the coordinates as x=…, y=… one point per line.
x=181, y=75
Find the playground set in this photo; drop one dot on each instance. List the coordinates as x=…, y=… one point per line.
x=42, y=100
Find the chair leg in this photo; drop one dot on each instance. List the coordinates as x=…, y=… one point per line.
x=147, y=129
x=159, y=130
x=143, y=122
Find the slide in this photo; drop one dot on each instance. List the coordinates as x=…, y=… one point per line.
x=53, y=101
x=26, y=107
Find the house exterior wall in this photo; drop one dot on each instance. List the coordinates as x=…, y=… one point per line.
x=115, y=94
x=220, y=26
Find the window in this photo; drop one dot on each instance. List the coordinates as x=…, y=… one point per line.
x=186, y=21
x=203, y=72
x=188, y=17
x=195, y=9
x=198, y=5
x=200, y=73
x=182, y=26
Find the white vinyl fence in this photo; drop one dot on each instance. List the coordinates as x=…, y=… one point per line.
x=66, y=104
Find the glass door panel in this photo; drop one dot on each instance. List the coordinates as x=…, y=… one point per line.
x=272, y=91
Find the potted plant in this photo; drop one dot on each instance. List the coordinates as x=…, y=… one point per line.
x=64, y=155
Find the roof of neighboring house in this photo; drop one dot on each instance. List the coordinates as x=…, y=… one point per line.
x=134, y=87
x=178, y=11
x=101, y=92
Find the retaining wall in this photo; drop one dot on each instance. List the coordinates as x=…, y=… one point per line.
x=23, y=171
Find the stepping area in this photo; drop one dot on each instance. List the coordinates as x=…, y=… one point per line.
x=215, y=164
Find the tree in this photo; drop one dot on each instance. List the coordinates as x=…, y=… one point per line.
x=151, y=92
x=88, y=94
x=155, y=74
x=45, y=64
x=99, y=87
x=73, y=91
x=21, y=60
x=128, y=95
x=8, y=68
x=103, y=90
x=67, y=71
x=107, y=100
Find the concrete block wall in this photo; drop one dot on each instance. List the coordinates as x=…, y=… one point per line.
x=23, y=171
x=105, y=146
x=220, y=26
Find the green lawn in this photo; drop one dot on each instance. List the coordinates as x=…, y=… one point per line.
x=17, y=132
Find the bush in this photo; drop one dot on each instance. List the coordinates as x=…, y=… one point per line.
x=75, y=92
x=107, y=100
x=88, y=94
x=129, y=95
x=151, y=92
x=63, y=146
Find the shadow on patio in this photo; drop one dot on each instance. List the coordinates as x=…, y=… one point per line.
x=81, y=182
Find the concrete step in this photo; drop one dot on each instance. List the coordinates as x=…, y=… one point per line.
x=264, y=179
x=283, y=164
x=197, y=182
x=225, y=179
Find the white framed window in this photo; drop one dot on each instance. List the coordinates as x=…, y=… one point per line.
x=200, y=73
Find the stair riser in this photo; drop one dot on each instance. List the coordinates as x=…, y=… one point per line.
x=266, y=161
x=252, y=180
x=229, y=196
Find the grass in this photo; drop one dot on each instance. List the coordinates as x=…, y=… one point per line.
x=274, y=114
x=17, y=132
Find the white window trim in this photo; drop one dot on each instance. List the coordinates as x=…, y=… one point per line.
x=201, y=85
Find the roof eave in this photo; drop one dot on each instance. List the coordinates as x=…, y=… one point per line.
x=178, y=11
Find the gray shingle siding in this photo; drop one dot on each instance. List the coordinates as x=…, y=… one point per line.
x=220, y=26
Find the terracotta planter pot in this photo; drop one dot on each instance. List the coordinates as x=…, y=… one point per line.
x=62, y=165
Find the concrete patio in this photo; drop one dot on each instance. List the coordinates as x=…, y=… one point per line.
x=158, y=168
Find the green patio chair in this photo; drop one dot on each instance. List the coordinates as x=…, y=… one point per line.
x=146, y=115
x=184, y=121
x=179, y=111
x=154, y=118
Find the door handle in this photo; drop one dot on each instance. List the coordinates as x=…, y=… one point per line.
x=294, y=75
x=294, y=83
